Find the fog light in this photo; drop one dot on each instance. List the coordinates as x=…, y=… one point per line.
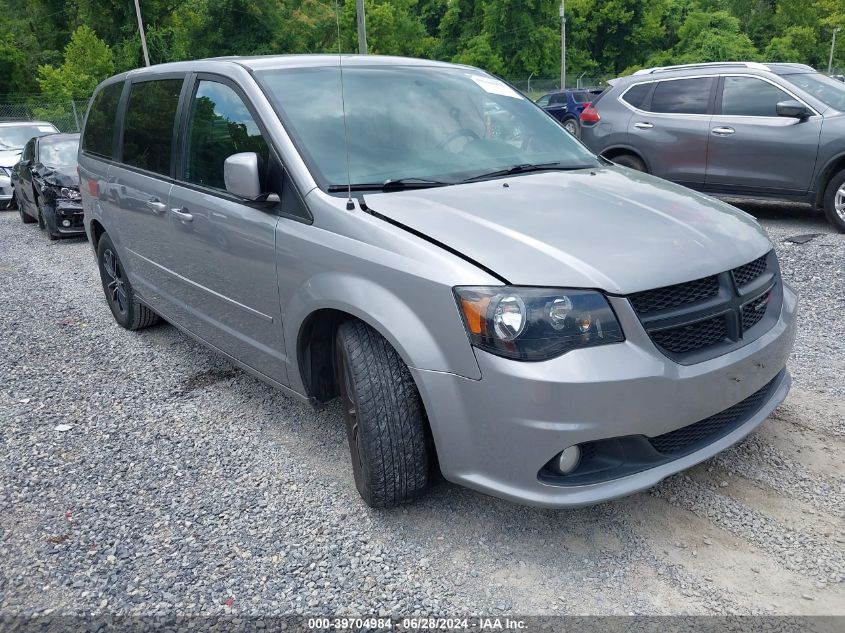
x=65, y=222
x=568, y=460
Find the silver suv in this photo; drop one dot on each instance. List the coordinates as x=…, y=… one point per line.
x=737, y=129
x=494, y=299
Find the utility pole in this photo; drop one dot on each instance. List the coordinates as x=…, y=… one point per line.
x=362, y=27
x=143, y=37
x=832, y=46
x=562, y=44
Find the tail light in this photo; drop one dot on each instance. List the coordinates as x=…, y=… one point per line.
x=590, y=115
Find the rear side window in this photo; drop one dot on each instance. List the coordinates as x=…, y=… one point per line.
x=682, y=96
x=636, y=95
x=150, y=117
x=98, y=138
x=220, y=126
x=747, y=96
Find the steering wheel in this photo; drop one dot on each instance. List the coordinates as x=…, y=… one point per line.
x=459, y=133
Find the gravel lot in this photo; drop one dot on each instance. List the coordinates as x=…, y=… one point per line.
x=181, y=485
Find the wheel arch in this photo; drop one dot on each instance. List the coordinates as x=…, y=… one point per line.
x=831, y=168
x=324, y=302
x=617, y=150
x=97, y=231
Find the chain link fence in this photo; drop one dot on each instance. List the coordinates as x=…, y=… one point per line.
x=536, y=87
x=65, y=115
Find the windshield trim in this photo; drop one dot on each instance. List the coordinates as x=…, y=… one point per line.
x=338, y=190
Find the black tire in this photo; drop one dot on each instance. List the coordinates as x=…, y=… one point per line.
x=573, y=126
x=25, y=217
x=834, y=196
x=47, y=221
x=385, y=417
x=630, y=161
x=125, y=307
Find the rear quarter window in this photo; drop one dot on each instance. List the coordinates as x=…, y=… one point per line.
x=98, y=137
x=148, y=130
x=636, y=95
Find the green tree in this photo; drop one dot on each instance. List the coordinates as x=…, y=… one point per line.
x=87, y=61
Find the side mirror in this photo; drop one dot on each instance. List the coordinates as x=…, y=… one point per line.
x=792, y=108
x=23, y=163
x=240, y=174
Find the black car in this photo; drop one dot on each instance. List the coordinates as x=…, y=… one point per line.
x=46, y=185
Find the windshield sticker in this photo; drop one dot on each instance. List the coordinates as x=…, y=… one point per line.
x=45, y=128
x=496, y=87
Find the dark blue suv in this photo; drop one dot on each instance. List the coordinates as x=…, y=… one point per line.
x=566, y=107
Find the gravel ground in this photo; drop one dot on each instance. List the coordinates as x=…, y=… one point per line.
x=141, y=474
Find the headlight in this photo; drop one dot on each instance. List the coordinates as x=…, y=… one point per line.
x=536, y=323
x=71, y=194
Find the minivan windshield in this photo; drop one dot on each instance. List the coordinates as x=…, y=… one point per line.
x=421, y=125
x=16, y=136
x=825, y=89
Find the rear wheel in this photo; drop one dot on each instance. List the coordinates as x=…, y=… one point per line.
x=127, y=310
x=573, y=127
x=834, y=201
x=385, y=418
x=630, y=161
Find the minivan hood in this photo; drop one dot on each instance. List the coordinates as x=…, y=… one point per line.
x=9, y=157
x=609, y=228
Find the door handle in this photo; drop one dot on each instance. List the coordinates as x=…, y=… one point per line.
x=182, y=214
x=642, y=125
x=722, y=131
x=156, y=206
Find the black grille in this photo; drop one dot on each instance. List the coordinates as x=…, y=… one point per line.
x=688, y=438
x=754, y=311
x=693, y=336
x=674, y=296
x=749, y=272
x=701, y=319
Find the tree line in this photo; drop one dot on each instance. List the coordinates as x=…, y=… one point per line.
x=62, y=49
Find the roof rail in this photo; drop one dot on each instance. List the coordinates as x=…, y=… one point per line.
x=661, y=69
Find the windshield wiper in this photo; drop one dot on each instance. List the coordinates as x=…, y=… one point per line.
x=525, y=168
x=391, y=185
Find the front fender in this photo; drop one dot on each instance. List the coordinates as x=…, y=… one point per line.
x=423, y=324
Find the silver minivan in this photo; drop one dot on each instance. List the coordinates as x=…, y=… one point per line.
x=484, y=295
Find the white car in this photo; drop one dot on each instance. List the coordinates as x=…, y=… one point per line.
x=13, y=136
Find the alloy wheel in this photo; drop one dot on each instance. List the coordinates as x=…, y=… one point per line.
x=839, y=202
x=569, y=126
x=116, y=286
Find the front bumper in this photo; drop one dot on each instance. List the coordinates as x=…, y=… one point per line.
x=496, y=434
x=69, y=211
x=6, y=189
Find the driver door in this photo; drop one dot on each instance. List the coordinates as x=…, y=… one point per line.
x=225, y=263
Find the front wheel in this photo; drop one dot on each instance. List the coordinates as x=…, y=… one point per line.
x=834, y=201
x=384, y=415
x=47, y=220
x=127, y=310
x=25, y=217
